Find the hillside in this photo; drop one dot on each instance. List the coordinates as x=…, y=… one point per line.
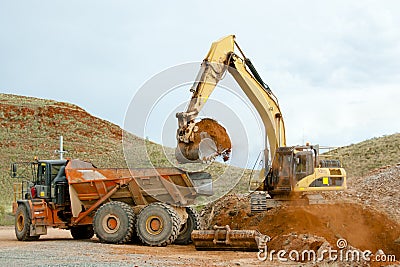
x=363, y=157
x=34, y=125
x=31, y=127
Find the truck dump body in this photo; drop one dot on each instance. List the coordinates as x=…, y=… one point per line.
x=88, y=185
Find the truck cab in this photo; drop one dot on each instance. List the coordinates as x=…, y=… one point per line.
x=50, y=182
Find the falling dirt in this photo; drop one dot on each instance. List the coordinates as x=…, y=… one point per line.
x=207, y=128
x=363, y=228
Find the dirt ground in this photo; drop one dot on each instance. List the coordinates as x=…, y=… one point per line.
x=59, y=249
x=300, y=227
x=323, y=226
x=364, y=228
x=350, y=217
x=313, y=227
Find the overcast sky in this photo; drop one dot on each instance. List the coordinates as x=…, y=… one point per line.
x=335, y=67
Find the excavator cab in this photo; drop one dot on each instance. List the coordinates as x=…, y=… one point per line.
x=296, y=169
x=280, y=178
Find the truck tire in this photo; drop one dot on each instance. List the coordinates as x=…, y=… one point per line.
x=114, y=222
x=23, y=225
x=158, y=225
x=192, y=223
x=82, y=232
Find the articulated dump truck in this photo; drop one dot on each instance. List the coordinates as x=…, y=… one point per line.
x=118, y=205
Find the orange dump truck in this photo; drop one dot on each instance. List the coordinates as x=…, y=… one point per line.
x=117, y=205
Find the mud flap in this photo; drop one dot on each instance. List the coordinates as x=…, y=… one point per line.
x=38, y=230
x=223, y=238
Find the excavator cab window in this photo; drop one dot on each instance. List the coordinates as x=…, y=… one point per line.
x=304, y=164
x=285, y=165
x=282, y=170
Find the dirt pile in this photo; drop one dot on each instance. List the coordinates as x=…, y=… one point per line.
x=363, y=228
x=311, y=248
x=299, y=242
x=379, y=189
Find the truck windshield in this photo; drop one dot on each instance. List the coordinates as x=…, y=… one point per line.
x=41, y=174
x=54, y=171
x=47, y=173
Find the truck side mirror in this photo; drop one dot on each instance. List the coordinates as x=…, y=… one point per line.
x=14, y=170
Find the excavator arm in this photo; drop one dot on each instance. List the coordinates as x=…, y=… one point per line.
x=220, y=59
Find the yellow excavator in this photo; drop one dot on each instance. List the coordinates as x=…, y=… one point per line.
x=294, y=169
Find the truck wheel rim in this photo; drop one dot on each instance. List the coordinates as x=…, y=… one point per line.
x=111, y=223
x=20, y=222
x=154, y=225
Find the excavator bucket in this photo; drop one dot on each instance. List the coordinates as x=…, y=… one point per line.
x=223, y=238
x=208, y=141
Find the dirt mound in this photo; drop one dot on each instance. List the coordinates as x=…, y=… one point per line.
x=380, y=189
x=363, y=228
x=207, y=129
x=299, y=242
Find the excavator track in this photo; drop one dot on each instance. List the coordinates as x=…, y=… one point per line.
x=261, y=201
